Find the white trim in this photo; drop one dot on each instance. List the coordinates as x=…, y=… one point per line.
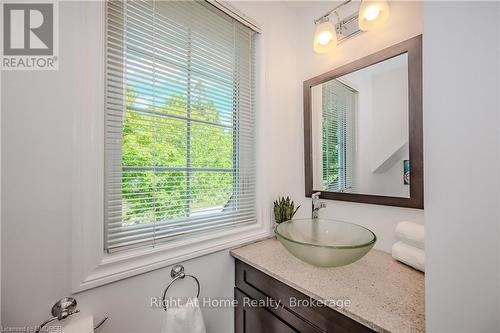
x=91, y=267
x=236, y=14
x=127, y=264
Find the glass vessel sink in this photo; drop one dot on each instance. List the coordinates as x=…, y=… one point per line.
x=327, y=243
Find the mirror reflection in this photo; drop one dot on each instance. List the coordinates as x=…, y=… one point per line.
x=360, y=140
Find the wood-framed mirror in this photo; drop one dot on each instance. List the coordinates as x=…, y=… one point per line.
x=363, y=136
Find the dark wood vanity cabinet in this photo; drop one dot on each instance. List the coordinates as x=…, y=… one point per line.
x=268, y=305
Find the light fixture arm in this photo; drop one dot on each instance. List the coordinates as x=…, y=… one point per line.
x=340, y=23
x=334, y=10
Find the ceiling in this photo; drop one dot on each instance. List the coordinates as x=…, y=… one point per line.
x=299, y=7
x=317, y=8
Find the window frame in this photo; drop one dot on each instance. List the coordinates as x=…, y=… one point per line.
x=91, y=265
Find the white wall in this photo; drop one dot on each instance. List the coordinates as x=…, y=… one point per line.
x=461, y=134
x=38, y=110
x=405, y=22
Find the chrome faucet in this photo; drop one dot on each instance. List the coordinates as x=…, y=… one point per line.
x=316, y=204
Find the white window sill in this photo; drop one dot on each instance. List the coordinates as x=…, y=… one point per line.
x=121, y=265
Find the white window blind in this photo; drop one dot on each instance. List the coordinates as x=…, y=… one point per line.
x=180, y=140
x=338, y=136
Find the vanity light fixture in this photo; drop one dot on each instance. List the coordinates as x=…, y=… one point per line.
x=371, y=15
x=325, y=36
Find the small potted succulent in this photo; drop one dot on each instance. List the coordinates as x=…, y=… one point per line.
x=284, y=210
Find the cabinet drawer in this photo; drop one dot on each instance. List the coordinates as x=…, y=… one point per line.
x=250, y=319
x=260, y=286
x=287, y=317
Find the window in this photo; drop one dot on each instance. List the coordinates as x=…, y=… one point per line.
x=179, y=122
x=338, y=104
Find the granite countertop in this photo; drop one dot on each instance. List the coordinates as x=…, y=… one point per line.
x=385, y=295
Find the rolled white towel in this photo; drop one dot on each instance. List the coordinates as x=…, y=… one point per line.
x=411, y=233
x=409, y=255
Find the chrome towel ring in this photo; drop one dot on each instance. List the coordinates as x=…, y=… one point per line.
x=177, y=273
